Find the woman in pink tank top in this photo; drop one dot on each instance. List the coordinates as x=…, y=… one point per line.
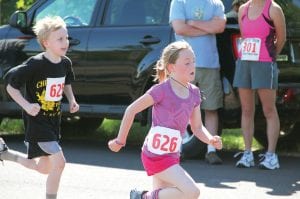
x=263, y=30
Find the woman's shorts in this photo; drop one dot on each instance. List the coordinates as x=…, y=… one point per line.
x=39, y=149
x=256, y=75
x=154, y=165
x=209, y=82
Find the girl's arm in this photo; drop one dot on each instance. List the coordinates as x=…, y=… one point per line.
x=137, y=106
x=31, y=109
x=201, y=132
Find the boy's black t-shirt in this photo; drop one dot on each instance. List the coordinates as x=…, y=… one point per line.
x=44, y=82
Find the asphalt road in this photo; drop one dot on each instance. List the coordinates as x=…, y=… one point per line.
x=93, y=172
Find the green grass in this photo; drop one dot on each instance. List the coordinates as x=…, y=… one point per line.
x=232, y=138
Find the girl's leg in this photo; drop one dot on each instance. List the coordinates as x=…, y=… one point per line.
x=248, y=109
x=267, y=98
x=176, y=183
x=57, y=162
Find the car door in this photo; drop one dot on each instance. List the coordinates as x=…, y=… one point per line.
x=289, y=58
x=79, y=22
x=127, y=32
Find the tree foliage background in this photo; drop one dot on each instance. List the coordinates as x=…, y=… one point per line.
x=7, y=7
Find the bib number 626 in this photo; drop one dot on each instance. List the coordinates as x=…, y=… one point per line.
x=163, y=140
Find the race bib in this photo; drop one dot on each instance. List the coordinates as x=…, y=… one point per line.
x=250, y=49
x=54, y=88
x=162, y=140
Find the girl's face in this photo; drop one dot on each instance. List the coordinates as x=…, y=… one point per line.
x=184, y=68
x=57, y=42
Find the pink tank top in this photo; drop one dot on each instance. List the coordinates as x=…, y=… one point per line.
x=263, y=28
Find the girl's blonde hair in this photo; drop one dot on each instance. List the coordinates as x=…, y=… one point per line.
x=169, y=55
x=45, y=26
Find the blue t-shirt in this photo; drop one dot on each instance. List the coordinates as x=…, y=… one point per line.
x=205, y=46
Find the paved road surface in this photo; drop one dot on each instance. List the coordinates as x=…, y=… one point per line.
x=93, y=172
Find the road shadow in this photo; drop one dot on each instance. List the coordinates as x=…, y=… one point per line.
x=282, y=182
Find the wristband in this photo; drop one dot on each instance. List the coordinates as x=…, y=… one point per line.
x=119, y=143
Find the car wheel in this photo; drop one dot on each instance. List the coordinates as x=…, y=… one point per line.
x=80, y=125
x=192, y=147
x=288, y=137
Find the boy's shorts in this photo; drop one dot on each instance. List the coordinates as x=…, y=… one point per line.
x=256, y=75
x=209, y=82
x=39, y=149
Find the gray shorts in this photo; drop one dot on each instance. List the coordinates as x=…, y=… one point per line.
x=256, y=75
x=42, y=149
x=209, y=82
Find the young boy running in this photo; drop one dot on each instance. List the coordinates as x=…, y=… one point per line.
x=46, y=77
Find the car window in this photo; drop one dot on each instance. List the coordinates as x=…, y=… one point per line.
x=72, y=11
x=136, y=12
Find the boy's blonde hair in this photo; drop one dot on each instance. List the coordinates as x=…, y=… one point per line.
x=45, y=26
x=169, y=55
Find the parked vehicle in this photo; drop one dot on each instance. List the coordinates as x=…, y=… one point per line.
x=114, y=46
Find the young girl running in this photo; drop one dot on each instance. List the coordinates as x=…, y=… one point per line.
x=46, y=77
x=176, y=102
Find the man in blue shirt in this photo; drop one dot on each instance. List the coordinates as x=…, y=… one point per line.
x=197, y=22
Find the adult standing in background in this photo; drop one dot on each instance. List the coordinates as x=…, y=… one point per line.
x=197, y=22
x=263, y=30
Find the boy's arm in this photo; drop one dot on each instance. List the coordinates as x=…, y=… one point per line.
x=31, y=109
x=74, y=107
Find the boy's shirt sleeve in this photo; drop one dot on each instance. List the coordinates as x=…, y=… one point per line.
x=177, y=11
x=220, y=10
x=19, y=75
x=69, y=71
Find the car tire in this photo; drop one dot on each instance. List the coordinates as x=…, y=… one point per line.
x=288, y=137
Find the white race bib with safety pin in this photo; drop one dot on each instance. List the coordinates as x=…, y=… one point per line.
x=250, y=49
x=54, y=88
x=162, y=140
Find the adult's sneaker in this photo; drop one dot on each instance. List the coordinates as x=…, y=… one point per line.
x=135, y=194
x=3, y=147
x=246, y=161
x=269, y=161
x=212, y=158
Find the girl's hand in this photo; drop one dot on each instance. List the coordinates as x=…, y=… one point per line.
x=114, y=145
x=216, y=141
x=32, y=109
x=74, y=107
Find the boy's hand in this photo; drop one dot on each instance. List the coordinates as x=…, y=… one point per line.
x=32, y=109
x=216, y=141
x=74, y=107
x=114, y=146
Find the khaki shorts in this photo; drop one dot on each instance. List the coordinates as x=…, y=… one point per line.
x=209, y=82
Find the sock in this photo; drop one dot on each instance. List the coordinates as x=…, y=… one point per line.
x=151, y=195
x=210, y=148
x=51, y=196
x=9, y=155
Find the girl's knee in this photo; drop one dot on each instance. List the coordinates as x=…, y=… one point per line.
x=193, y=192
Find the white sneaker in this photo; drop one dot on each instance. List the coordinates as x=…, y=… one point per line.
x=269, y=161
x=246, y=160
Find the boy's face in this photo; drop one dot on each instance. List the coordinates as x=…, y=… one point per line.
x=57, y=42
x=184, y=67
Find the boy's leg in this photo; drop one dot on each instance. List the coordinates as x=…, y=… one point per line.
x=57, y=166
x=179, y=182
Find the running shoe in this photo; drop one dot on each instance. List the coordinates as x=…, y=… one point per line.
x=3, y=147
x=135, y=194
x=246, y=160
x=269, y=161
x=212, y=158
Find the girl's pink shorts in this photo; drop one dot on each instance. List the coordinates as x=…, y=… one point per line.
x=156, y=164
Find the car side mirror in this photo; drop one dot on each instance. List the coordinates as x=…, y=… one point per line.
x=18, y=20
